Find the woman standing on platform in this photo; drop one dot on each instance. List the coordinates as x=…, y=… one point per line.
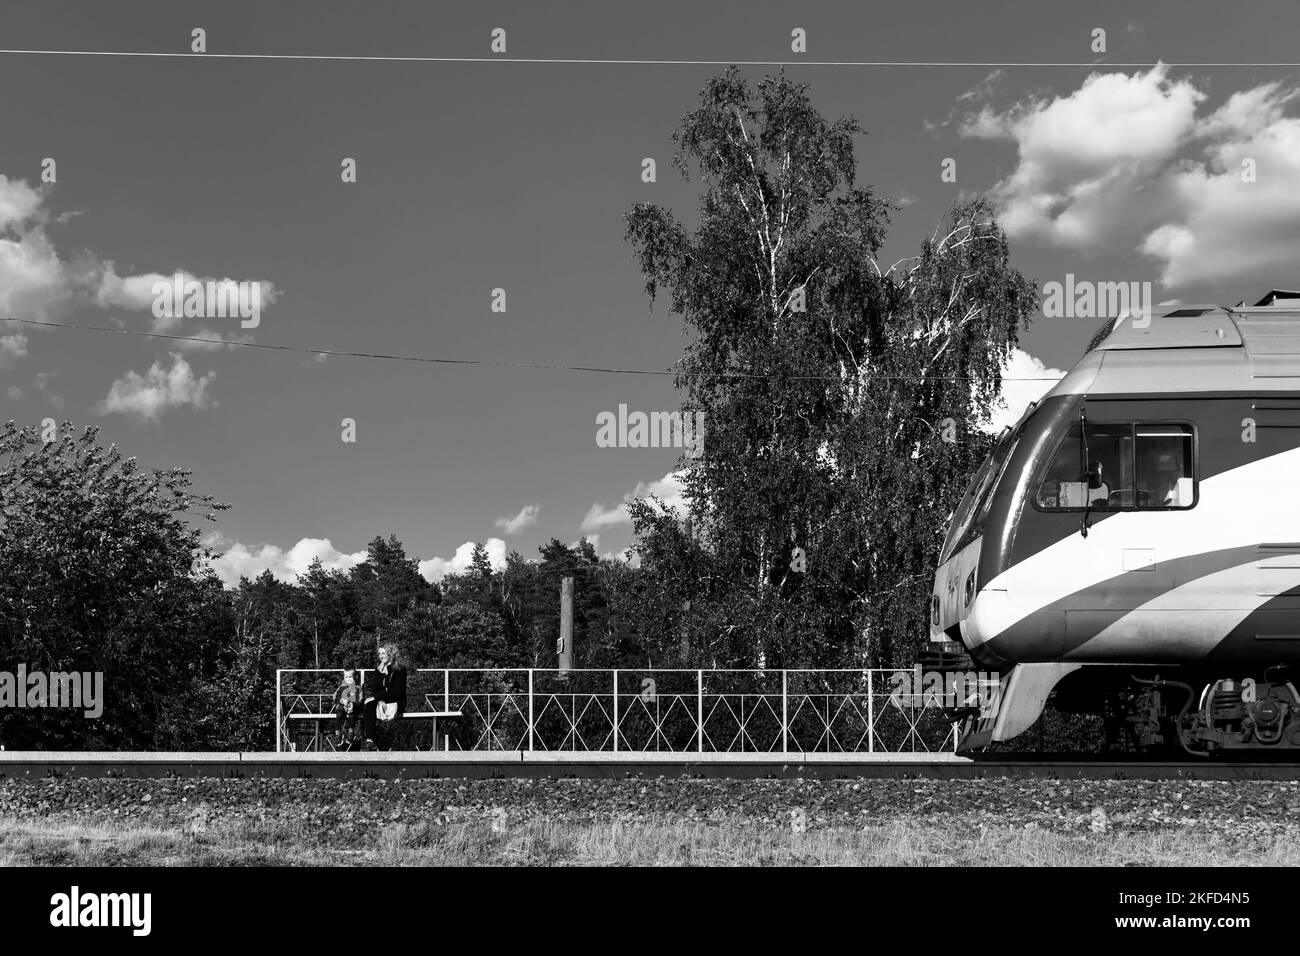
x=385, y=697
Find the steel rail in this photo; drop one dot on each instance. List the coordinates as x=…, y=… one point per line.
x=29, y=766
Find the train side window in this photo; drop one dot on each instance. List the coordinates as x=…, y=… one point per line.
x=1126, y=466
x=1164, y=466
x=1108, y=482
x=1101, y=478
x=1059, y=484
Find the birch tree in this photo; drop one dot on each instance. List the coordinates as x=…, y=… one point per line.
x=824, y=377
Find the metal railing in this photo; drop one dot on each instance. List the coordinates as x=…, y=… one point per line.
x=649, y=710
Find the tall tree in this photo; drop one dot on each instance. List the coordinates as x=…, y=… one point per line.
x=322, y=601
x=98, y=573
x=824, y=380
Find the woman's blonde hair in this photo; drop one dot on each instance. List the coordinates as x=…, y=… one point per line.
x=394, y=654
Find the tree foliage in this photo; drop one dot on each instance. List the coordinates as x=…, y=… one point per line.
x=824, y=381
x=97, y=573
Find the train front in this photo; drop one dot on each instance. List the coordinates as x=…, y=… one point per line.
x=978, y=629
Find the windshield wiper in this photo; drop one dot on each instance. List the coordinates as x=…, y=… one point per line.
x=1087, y=470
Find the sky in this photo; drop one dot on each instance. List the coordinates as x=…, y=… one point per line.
x=1124, y=165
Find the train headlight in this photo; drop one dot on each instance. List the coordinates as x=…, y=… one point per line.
x=970, y=588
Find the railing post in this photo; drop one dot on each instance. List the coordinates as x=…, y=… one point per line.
x=871, y=714
x=616, y=710
x=699, y=711
x=530, y=710
x=446, y=689
x=785, y=714
x=279, y=725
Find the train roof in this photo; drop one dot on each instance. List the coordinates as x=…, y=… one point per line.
x=1196, y=348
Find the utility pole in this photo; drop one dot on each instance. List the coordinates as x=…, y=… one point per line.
x=564, y=646
x=684, y=632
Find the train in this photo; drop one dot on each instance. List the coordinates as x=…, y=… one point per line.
x=1131, y=545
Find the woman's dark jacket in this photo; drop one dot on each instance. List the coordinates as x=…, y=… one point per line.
x=389, y=688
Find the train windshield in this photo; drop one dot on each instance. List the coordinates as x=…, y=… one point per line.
x=968, y=519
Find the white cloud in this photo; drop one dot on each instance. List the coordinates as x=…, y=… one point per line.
x=1086, y=158
x=1016, y=395
x=32, y=277
x=147, y=396
x=1225, y=228
x=435, y=569
x=37, y=283
x=981, y=93
x=18, y=202
x=670, y=489
x=12, y=348
x=1126, y=162
x=239, y=560
x=527, y=517
x=234, y=560
x=136, y=293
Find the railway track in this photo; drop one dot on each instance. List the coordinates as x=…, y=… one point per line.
x=36, y=766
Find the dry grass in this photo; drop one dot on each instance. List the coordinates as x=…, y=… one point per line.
x=652, y=843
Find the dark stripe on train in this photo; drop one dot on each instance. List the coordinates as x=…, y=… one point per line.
x=1054, y=631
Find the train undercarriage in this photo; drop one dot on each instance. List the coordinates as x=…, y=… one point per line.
x=1207, y=715
x=1205, y=710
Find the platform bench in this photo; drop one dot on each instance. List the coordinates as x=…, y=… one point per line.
x=317, y=719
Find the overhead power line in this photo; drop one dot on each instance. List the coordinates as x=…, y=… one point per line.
x=495, y=363
x=609, y=61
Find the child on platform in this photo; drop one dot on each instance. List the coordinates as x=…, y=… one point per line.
x=347, y=699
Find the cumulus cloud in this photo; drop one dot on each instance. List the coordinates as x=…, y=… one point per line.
x=1227, y=226
x=147, y=396
x=526, y=518
x=237, y=560
x=1132, y=161
x=1085, y=157
x=137, y=293
x=1016, y=395
x=670, y=489
x=233, y=559
x=33, y=279
x=36, y=282
x=435, y=569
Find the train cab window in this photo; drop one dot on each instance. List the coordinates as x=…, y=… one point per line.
x=1124, y=467
x=1164, y=466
